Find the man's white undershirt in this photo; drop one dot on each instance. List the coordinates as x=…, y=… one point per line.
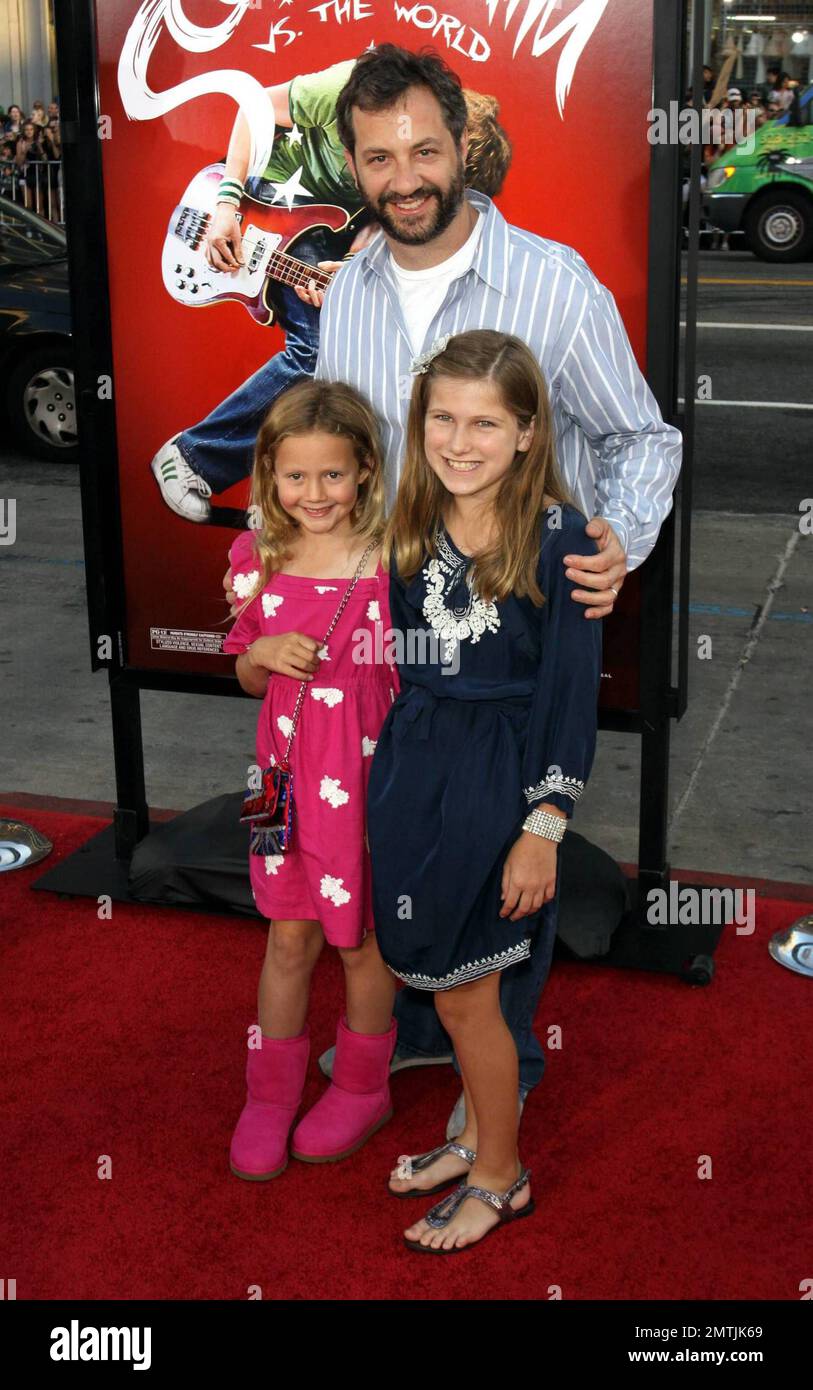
x=423, y=291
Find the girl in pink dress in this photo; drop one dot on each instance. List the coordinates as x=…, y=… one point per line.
x=318, y=499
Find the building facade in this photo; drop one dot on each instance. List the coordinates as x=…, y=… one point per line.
x=28, y=70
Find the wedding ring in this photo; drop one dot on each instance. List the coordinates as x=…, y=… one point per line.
x=615, y=591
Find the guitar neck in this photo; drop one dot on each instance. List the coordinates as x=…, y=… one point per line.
x=290, y=271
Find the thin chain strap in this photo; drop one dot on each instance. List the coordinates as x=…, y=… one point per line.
x=336, y=616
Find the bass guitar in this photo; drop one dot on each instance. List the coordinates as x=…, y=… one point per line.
x=268, y=233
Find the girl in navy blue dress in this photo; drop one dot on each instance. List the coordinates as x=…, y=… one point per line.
x=487, y=748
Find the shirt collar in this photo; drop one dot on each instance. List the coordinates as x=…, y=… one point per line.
x=490, y=259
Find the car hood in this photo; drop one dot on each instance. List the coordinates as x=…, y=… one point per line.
x=38, y=295
x=49, y=279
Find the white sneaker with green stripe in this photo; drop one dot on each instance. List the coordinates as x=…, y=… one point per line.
x=183, y=490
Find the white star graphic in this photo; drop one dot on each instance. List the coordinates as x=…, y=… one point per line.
x=294, y=135
x=290, y=189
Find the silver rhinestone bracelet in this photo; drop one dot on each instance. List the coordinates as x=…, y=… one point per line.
x=547, y=825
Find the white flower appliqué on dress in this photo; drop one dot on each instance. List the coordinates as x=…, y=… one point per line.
x=334, y=889
x=330, y=696
x=271, y=603
x=332, y=791
x=453, y=625
x=244, y=584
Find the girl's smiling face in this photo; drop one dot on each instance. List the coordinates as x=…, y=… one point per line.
x=470, y=436
x=318, y=478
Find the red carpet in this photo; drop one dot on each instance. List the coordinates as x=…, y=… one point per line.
x=125, y=1038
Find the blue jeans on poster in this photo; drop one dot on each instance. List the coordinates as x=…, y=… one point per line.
x=221, y=447
x=421, y=1034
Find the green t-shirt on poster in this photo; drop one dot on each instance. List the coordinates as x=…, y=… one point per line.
x=320, y=155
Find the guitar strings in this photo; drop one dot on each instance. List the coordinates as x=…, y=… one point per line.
x=289, y=270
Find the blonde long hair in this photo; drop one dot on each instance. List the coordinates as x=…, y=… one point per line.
x=309, y=407
x=510, y=564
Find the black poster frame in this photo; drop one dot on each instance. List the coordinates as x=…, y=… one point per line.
x=660, y=700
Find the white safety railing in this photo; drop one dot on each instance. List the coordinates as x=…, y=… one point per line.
x=36, y=185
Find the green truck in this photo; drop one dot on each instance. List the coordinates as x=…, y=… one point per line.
x=768, y=193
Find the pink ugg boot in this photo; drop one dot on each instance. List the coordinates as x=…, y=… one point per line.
x=357, y=1101
x=275, y=1077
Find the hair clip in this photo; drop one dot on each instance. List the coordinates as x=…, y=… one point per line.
x=421, y=364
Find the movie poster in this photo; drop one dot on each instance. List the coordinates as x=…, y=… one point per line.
x=198, y=353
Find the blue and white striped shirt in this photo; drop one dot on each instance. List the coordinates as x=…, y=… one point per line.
x=616, y=455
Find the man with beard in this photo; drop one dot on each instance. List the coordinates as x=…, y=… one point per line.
x=446, y=261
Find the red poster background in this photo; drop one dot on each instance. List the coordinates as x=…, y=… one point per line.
x=581, y=179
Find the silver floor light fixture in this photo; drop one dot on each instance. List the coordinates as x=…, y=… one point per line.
x=793, y=947
x=21, y=845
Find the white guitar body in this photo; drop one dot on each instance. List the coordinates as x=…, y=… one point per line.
x=268, y=231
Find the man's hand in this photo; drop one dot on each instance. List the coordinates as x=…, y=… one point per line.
x=528, y=876
x=224, y=239
x=602, y=574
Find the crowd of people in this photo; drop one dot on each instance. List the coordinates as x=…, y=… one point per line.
x=777, y=89
x=30, y=153
x=768, y=100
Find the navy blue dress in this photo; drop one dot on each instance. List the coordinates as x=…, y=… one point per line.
x=497, y=713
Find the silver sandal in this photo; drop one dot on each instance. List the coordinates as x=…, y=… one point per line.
x=421, y=1161
x=441, y=1214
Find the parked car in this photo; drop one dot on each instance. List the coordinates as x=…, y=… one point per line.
x=768, y=193
x=36, y=360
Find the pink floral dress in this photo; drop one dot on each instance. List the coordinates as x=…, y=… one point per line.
x=325, y=875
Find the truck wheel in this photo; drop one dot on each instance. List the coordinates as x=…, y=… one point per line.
x=780, y=226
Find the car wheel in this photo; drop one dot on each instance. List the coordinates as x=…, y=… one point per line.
x=41, y=403
x=780, y=226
